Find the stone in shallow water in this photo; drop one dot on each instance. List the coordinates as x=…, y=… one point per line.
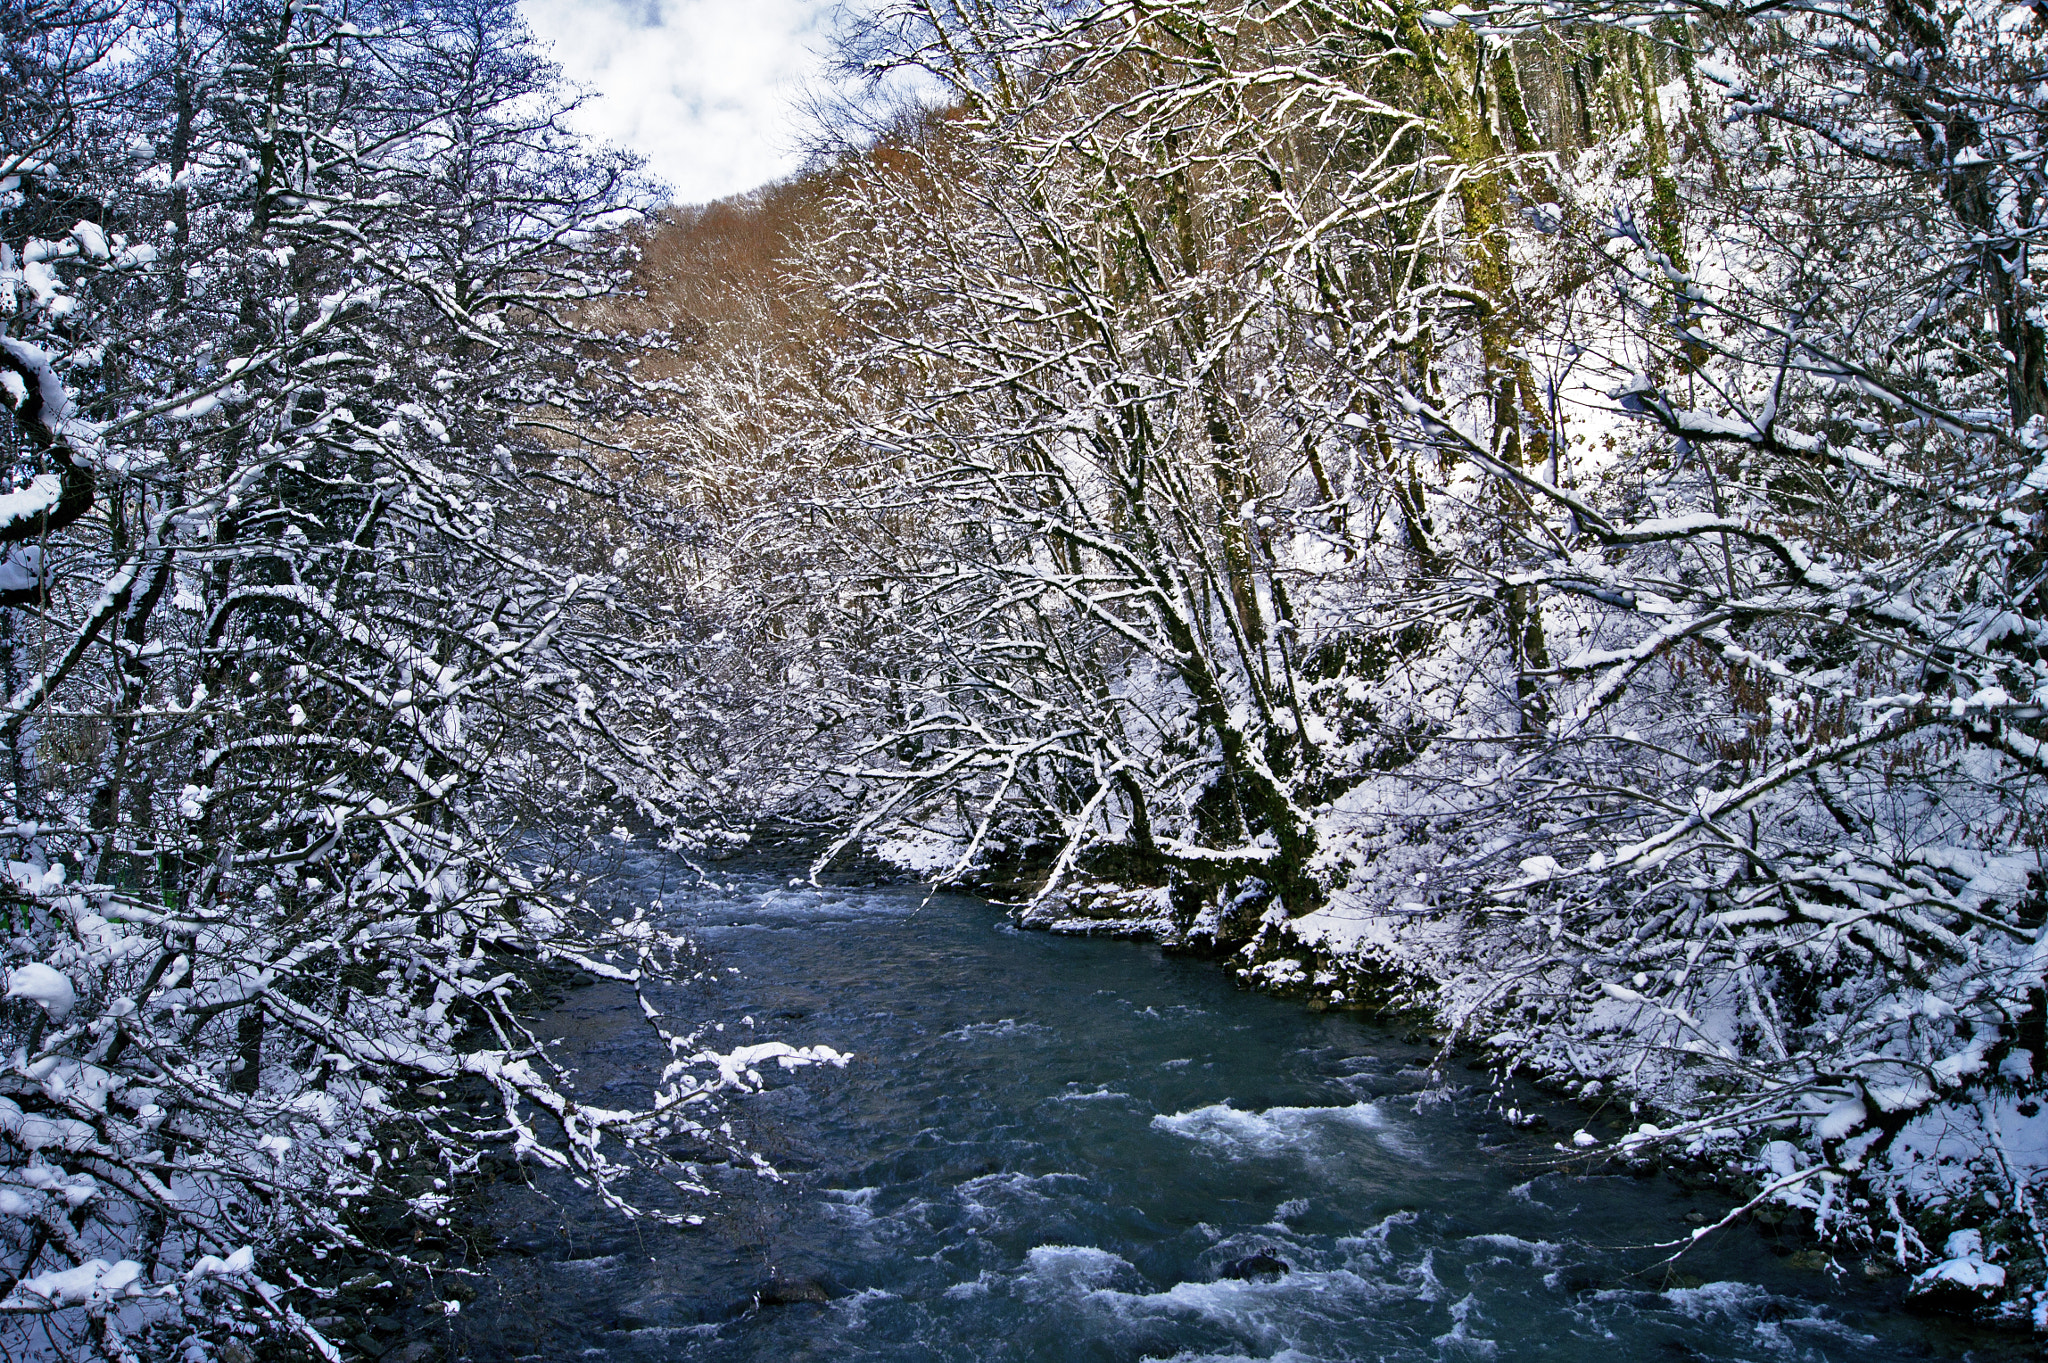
x=1255, y=1266
x=792, y=1291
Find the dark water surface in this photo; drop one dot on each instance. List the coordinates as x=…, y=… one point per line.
x=1052, y=1149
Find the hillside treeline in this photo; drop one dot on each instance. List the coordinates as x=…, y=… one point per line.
x=1531, y=514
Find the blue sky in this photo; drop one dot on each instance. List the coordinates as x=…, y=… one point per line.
x=706, y=90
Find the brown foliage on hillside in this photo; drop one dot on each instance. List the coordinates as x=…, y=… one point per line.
x=700, y=261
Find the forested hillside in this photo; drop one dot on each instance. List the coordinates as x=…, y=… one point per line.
x=1532, y=515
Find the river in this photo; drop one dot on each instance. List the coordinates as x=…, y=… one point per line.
x=1053, y=1149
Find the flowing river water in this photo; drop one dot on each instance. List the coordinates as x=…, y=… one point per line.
x=1051, y=1149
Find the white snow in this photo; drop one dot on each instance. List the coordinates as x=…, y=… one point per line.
x=739, y=1067
x=1964, y=1265
x=43, y=985
x=89, y=1283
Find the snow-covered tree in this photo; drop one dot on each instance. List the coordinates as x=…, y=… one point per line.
x=324, y=648
x=1534, y=512
x=1116, y=277
x=1770, y=866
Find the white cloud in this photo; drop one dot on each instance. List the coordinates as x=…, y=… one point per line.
x=706, y=90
